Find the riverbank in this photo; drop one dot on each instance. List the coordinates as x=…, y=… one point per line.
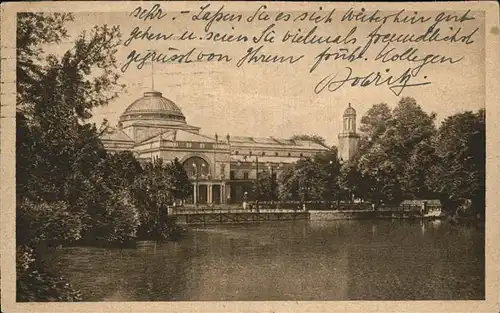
x=213, y=216
x=366, y=214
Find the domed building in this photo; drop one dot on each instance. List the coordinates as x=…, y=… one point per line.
x=222, y=169
x=150, y=115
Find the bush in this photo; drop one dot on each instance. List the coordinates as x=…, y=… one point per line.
x=120, y=220
x=46, y=223
x=36, y=284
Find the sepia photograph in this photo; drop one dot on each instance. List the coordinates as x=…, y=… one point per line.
x=210, y=151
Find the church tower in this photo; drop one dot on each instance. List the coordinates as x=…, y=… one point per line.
x=348, y=138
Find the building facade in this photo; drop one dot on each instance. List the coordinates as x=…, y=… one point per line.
x=223, y=168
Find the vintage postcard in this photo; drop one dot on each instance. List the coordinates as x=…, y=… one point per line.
x=249, y=157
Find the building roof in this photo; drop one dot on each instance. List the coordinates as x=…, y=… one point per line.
x=310, y=144
x=243, y=141
x=179, y=135
x=183, y=135
x=153, y=103
x=115, y=134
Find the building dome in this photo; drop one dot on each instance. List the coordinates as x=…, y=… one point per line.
x=349, y=111
x=153, y=106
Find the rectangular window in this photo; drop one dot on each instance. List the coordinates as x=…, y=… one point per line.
x=231, y=175
x=245, y=175
x=202, y=146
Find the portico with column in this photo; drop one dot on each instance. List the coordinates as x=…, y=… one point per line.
x=208, y=192
x=207, y=177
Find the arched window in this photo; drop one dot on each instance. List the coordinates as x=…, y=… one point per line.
x=196, y=166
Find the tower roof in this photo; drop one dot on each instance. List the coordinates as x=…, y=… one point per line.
x=350, y=110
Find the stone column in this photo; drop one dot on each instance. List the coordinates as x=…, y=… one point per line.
x=195, y=193
x=209, y=195
x=221, y=190
x=228, y=193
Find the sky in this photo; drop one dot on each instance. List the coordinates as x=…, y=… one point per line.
x=279, y=100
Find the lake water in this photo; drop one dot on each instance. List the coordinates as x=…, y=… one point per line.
x=296, y=260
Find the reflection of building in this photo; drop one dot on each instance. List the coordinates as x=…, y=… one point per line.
x=348, y=138
x=221, y=168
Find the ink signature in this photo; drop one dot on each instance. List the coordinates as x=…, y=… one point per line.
x=395, y=83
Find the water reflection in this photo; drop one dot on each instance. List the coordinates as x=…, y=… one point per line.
x=301, y=260
x=435, y=223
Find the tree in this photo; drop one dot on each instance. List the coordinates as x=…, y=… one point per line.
x=121, y=168
x=66, y=84
x=459, y=172
x=328, y=166
x=379, y=175
x=375, y=121
x=304, y=182
x=288, y=185
x=33, y=30
x=312, y=179
x=408, y=136
x=46, y=223
x=152, y=191
x=395, y=152
x=351, y=181
x=264, y=188
x=59, y=154
x=120, y=220
x=179, y=180
x=421, y=159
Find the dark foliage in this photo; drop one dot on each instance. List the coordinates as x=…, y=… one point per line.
x=69, y=189
x=402, y=155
